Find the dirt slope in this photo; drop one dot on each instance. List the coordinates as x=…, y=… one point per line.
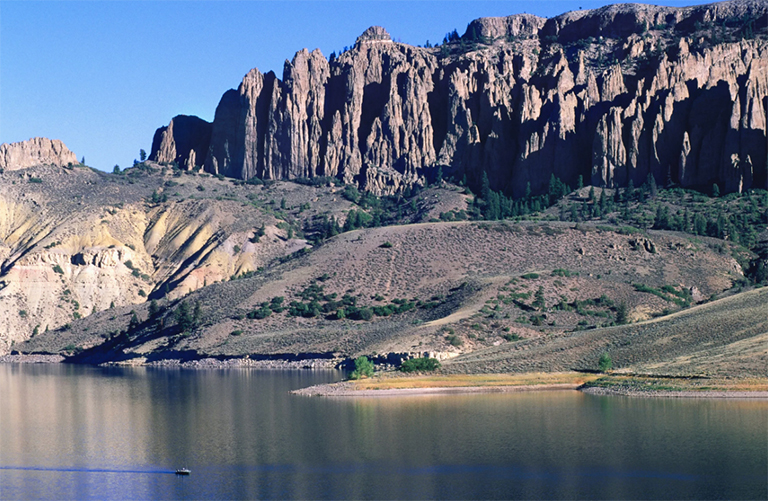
x=471, y=285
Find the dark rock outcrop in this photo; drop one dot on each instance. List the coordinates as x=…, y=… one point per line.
x=185, y=141
x=611, y=94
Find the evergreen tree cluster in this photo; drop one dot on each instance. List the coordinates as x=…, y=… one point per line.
x=314, y=302
x=494, y=205
x=188, y=318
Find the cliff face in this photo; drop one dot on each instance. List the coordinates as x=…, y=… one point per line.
x=611, y=94
x=35, y=151
x=185, y=141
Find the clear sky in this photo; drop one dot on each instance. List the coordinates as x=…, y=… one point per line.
x=103, y=75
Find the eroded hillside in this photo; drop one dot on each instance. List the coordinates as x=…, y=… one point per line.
x=74, y=241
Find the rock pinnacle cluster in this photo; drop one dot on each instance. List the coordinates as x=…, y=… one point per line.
x=611, y=95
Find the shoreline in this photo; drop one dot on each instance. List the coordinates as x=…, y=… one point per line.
x=717, y=394
x=345, y=389
x=197, y=363
x=391, y=385
x=414, y=385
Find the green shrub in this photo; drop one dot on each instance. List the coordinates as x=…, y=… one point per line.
x=420, y=365
x=531, y=276
x=363, y=368
x=236, y=332
x=454, y=340
x=58, y=269
x=605, y=363
x=261, y=313
x=560, y=272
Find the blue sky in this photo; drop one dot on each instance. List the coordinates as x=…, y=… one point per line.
x=103, y=75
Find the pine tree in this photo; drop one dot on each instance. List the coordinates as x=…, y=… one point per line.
x=183, y=317
x=699, y=224
x=630, y=192
x=621, y=313
x=134, y=323
x=485, y=186
x=153, y=309
x=652, y=188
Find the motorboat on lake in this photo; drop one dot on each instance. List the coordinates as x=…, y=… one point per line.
x=183, y=471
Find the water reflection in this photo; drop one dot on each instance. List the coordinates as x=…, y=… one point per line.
x=79, y=432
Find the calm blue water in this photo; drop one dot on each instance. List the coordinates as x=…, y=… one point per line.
x=71, y=432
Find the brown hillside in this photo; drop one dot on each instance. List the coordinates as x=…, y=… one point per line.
x=473, y=286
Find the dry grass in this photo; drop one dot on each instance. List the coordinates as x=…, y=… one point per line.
x=656, y=383
x=475, y=380
x=718, y=339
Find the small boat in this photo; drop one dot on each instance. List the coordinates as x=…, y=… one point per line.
x=183, y=471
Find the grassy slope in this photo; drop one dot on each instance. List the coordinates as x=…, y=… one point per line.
x=725, y=337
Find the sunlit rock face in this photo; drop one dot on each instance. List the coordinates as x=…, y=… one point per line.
x=35, y=151
x=611, y=94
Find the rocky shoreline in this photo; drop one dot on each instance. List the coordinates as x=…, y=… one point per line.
x=631, y=392
x=213, y=363
x=200, y=363
x=31, y=359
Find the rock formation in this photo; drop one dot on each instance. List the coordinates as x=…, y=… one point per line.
x=611, y=94
x=35, y=151
x=185, y=141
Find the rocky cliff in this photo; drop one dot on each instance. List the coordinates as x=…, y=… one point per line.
x=35, y=151
x=185, y=141
x=611, y=94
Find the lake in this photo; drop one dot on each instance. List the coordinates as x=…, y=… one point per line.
x=74, y=432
